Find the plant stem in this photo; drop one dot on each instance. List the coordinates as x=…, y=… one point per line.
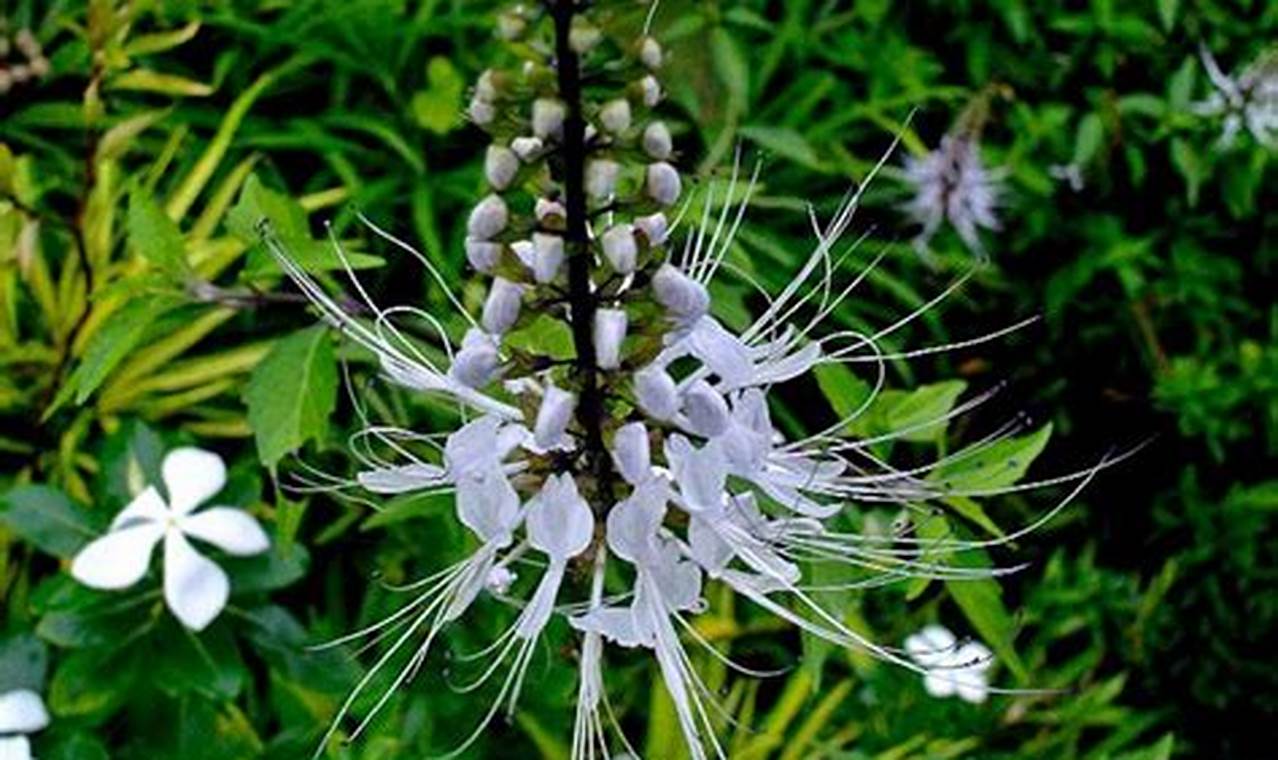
x=577, y=245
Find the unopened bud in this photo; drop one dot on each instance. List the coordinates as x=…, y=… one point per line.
x=550, y=213
x=609, y=332
x=20, y=73
x=501, y=310
x=500, y=166
x=527, y=148
x=40, y=66
x=663, y=183
x=488, y=218
x=511, y=25
x=27, y=43
x=650, y=53
x=682, y=296
x=601, y=178
x=615, y=116
x=656, y=392
x=523, y=250
x=483, y=255
x=651, y=90
x=553, y=417
x=631, y=453
x=548, y=255
x=705, y=409
x=477, y=363
x=499, y=580
x=583, y=36
x=486, y=86
x=481, y=112
x=620, y=248
x=657, y=142
x=548, y=118
x=654, y=227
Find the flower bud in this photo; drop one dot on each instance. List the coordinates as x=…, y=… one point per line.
x=482, y=254
x=488, y=218
x=499, y=580
x=511, y=25
x=657, y=142
x=653, y=227
x=40, y=66
x=615, y=116
x=601, y=178
x=20, y=73
x=656, y=392
x=583, y=36
x=550, y=213
x=663, y=183
x=553, y=417
x=523, y=250
x=486, y=86
x=500, y=166
x=27, y=43
x=609, y=332
x=527, y=148
x=650, y=53
x=620, y=248
x=548, y=118
x=631, y=453
x=705, y=409
x=477, y=363
x=501, y=310
x=481, y=112
x=6, y=81
x=548, y=255
x=651, y=90
x=682, y=296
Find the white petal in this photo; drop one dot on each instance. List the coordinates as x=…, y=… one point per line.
x=706, y=411
x=553, y=417
x=631, y=452
x=473, y=447
x=931, y=646
x=617, y=624
x=656, y=392
x=234, y=531
x=971, y=687
x=192, y=477
x=632, y=524
x=708, y=547
x=559, y=522
x=119, y=559
x=722, y=352
x=22, y=712
x=939, y=683
x=408, y=477
x=195, y=588
x=15, y=748
x=147, y=506
x=488, y=505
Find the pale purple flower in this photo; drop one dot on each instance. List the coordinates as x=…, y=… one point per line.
x=953, y=184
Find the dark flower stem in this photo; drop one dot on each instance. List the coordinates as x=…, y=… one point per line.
x=590, y=413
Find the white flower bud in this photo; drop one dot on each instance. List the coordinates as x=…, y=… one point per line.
x=631, y=453
x=511, y=25
x=601, y=178
x=651, y=90
x=620, y=248
x=483, y=255
x=499, y=580
x=656, y=392
x=653, y=227
x=663, y=183
x=501, y=310
x=477, y=363
x=548, y=255
x=650, y=53
x=481, y=112
x=591, y=133
x=657, y=142
x=553, y=417
x=523, y=250
x=583, y=36
x=488, y=218
x=705, y=409
x=615, y=116
x=548, y=118
x=486, y=86
x=548, y=211
x=500, y=166
x=682, y=296
x=609, y=332
x=527, y=148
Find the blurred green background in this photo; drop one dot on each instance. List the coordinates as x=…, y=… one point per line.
x=1145, y=606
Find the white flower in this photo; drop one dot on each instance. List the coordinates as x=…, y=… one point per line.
x=1249, y=99
x=553, y=416
x=547, y=255
x=548, y=118
x=477, y=363
x=656, y=392
x=482, y=254
x=609, y=332
x=527, y=148
x=615, y=116
x=951, y=669
x=601, y=177
x=21, y=712
x=195, y=588
x=650, y=53
x=952, y=183
x=663, y=183
x=657, y=142
x=501, y=164
x=653, y=227
x=488, y=218
x=651, y=90
x=501, y=309
x=683, y=297
x=620, y=248
x=631, y=454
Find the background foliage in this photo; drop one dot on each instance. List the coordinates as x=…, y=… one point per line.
x=137, y=312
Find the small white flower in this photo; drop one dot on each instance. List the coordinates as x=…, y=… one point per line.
x=654, y=227
x=477, y=363
x=501, y=164
x=486, y=86
x=487, y=220
x=511, y=25
x=952, y=669
x=21, y=712
x=601, y=178
x=501, y=309
x=547, y=256
x=615, y=115
x=483, y=255
x=952, y=183
x=609, y=332
x=1248, y=99
x=527, y=148
x=584, y=36
x=500, y=580
x=481, y=111
x=663, y=183
x=195, y=588
x=553, y=416
x=620, y=248
x=548, y=118
x=657, y=142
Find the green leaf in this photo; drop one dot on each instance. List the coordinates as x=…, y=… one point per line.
x=208, y=663
x=292, y=393
x=545, y=336
x=314, y=256
x=257, y=203
x=990, y=467
x=786, y=142
x=280, y=567
x=93, y=682
x=439, y=106
x=916, y=416
x=119, y=335
x=842, y=388
x=409, y=507
x=23, y=662
x=154, y=235
x=46, y=518
x=1167, y=13
x=79, y=745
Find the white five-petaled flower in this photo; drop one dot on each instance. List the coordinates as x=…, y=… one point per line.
x=952, y=183
x=1249, y=99
x=195, y=588
x=22, y=712
x=952, y=668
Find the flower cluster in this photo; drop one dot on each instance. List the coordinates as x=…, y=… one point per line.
x=953, y=668
x=22, y=712
x=195, y=588
x=33, y=66
x=952, y=183
x=1249, y=99
x=646, y=464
